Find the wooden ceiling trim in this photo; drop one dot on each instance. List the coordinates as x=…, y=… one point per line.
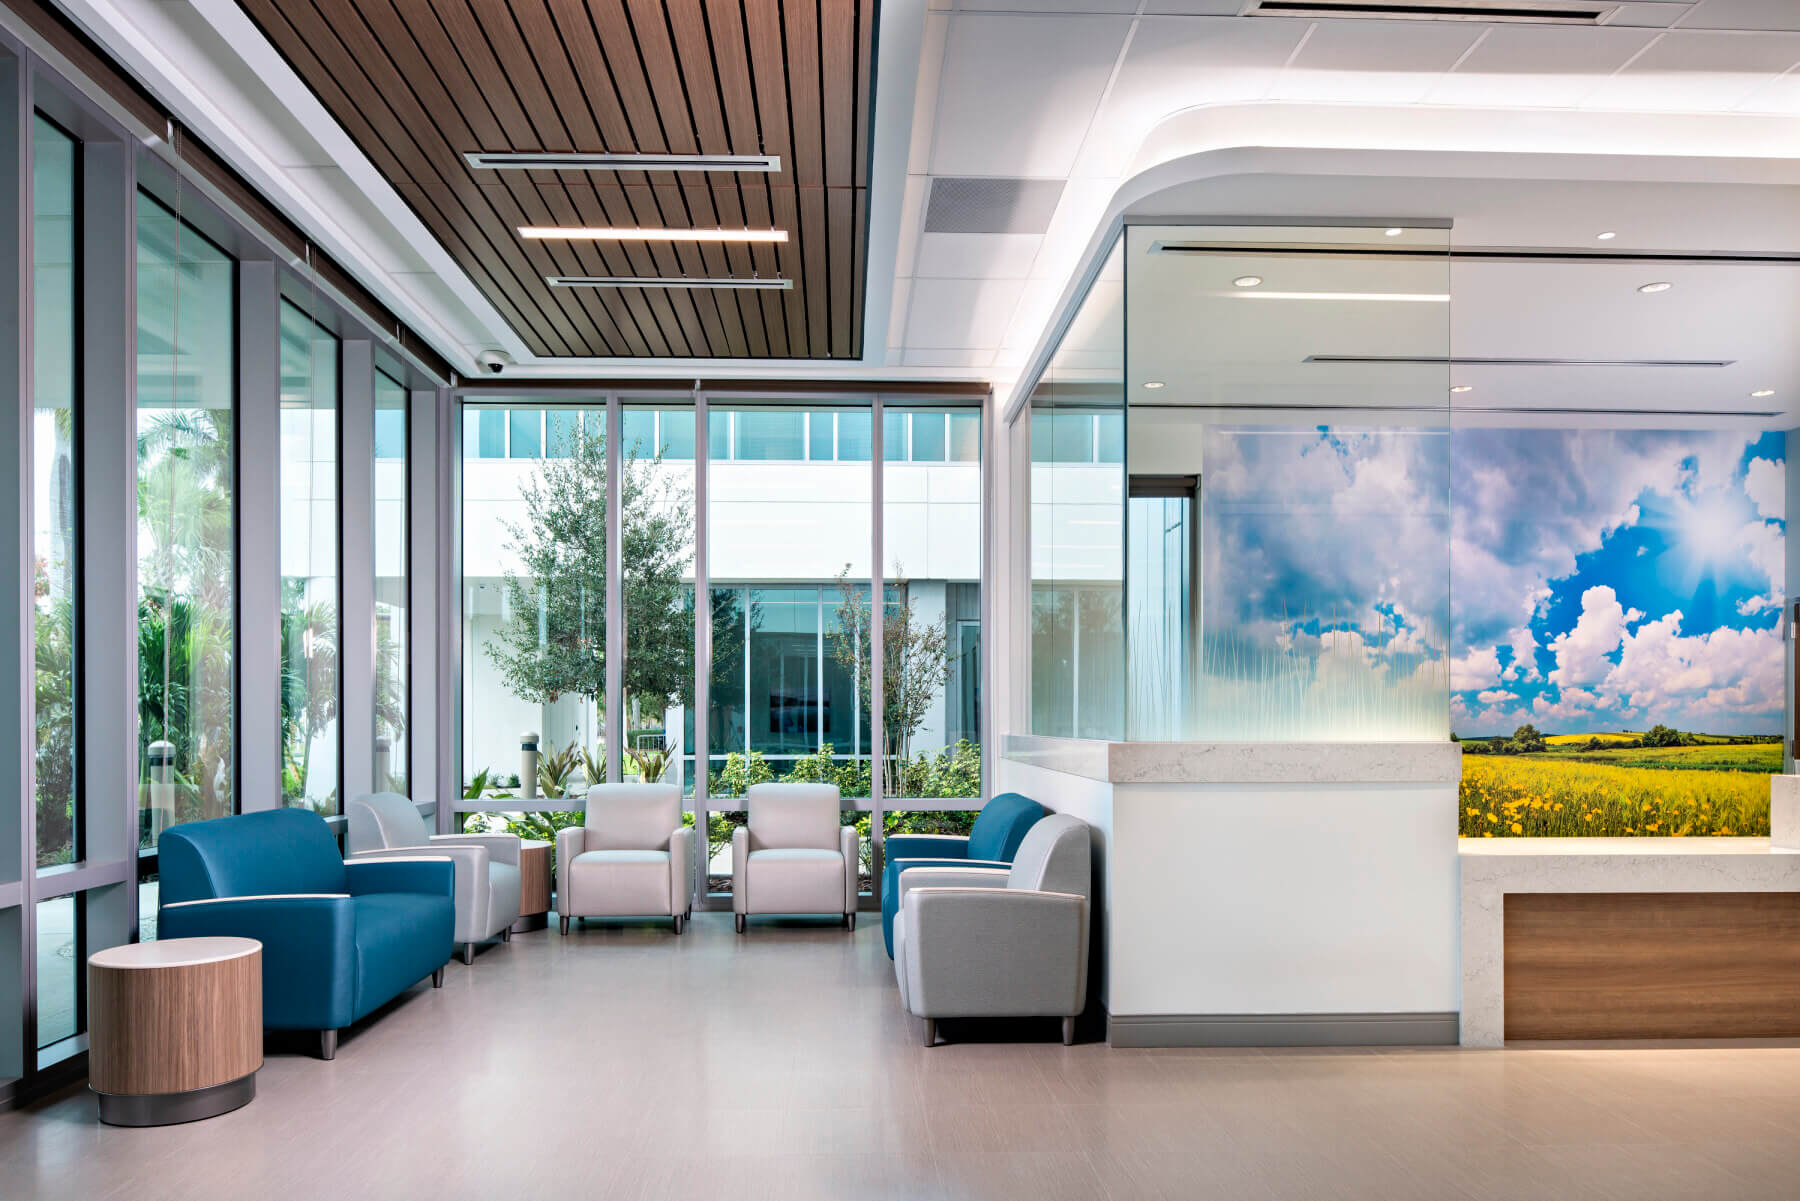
x=420, y=83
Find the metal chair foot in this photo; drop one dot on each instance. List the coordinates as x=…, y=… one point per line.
x=468, y=953
x=1068, y=1032
x=740, y=923
x=849, y=921
x=565, y=925
x=437, y=978
x=506, y=934
x=931, y=1032
x=328, y=1044
x=676, y=921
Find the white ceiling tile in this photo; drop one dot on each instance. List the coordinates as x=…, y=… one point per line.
x=1537, y=66
x=1744, y=14
x=1373, y=62
x=961, y=312
x=975, y=256
x=896, y=331
x=1018, y=91
x=1649, y=14
x=1211, y=8
x=946, y=357
x=912, y=219
x=1180, y=62
x=1049, y=6
x=1697, y=71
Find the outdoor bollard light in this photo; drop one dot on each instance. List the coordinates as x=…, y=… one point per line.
x=384, y=753
x=528, y=757
x=161, y=755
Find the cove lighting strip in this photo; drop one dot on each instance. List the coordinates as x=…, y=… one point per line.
x=598, y=233
x=654, y=281
x=1391, y=297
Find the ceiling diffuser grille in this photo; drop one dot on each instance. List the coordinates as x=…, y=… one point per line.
x=969, y=205
x=1558, y=12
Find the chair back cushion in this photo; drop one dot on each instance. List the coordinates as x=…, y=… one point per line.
x=253, y=854
x=632, y=817
x=793, y=816
x=381, y=820
x=1054, y=857
x=1001, y=827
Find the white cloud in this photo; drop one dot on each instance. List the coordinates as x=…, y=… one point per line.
x=1766, y=484
x=1495, y=696
x=1480, y=668
x=1762, y=543
x=1723, y=671
x=1582, y=654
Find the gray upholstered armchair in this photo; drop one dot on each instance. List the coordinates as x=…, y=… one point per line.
x=997, y=942
x=793, y=856
x=387, y=825
x=632, y=857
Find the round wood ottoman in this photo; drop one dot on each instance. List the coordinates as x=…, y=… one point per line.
x=174, y=1029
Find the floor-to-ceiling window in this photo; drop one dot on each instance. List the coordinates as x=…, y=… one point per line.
x=186, y=468
x=310, y=385
x=55, y=371
x=656, y=561
x=393, y=591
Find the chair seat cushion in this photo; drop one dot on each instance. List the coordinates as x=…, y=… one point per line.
x=617, y=884
x=400, y=938
x=795, y=880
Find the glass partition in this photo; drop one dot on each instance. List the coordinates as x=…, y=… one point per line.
x=393, y=590
x=657, y=589
x=310, y=386
x=187, y=516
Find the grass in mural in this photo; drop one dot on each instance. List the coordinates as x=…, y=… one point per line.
x=1705, y=790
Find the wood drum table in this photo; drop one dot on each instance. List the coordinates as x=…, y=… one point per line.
x=534, y=886
x=174, y=1029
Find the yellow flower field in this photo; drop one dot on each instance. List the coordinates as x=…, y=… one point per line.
x=1517, y=796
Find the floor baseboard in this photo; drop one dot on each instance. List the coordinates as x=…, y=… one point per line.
x=1282, y=1030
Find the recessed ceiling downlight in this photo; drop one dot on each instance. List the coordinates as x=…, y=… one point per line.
x=1153, y=384
x=1762, y=392
x=1607, y=235
x=1246, y=281
x=1462, y=387
x=1661, y=285
x=1394, y=231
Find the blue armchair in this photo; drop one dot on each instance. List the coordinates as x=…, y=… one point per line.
x=339, y=939
x=992, y=842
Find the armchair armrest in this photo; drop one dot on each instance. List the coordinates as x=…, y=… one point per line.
x=681, y=869
x=974, y=952
x=740, y=877
x=851, y=847
x=570, y=842
x=378, y=871
x=926, y=846
x=308, y=950
x=501, y=848
x=945, y=876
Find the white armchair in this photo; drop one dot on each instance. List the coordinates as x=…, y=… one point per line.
x=387, y=825
x=632, y=857
x=793, y=856
x=999, y=942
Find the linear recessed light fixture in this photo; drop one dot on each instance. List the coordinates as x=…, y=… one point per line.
x=597, y=233
x=658, y=281
x=552, y=160
x=1439, y=360
x=1552, y=12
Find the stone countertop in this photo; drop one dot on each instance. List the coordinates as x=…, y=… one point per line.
x=1242, y=762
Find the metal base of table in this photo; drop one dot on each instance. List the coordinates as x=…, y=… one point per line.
x=529, y=922
x=169, y=1109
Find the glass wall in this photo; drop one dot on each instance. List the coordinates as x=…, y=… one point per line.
x=55, y=487
x=1078, y=521
x=534, y=593
x=187, y=570
x=656, y=558
x=390, y=538
x=309, y=563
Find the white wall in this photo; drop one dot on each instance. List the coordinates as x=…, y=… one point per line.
x=1282, y=899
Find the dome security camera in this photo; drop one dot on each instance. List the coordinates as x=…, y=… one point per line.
x=495, y=361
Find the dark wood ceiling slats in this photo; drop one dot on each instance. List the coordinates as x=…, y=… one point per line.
x=419, y=83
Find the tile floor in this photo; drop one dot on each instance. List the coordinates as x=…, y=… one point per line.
x=622, y=1062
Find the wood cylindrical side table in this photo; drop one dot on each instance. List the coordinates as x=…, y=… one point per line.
x=174, y=1029
x=534, y=886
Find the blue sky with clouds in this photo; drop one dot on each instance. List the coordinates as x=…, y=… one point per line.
x=1614, y=579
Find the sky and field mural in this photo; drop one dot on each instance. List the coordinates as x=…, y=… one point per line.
x=1616, y=664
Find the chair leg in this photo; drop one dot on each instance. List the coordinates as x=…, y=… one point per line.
x=328, y=1044
x=740, y=923
x=931, y=1032
x=437, y=978
x=676, y=921
x=1068, y=1032
x=468, y=953
x=506, y=934
x=565, y=925
x=850, y=921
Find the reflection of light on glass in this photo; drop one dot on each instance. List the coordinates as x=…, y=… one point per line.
x=1395, y=297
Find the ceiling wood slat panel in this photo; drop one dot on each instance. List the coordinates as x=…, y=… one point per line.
x=417, y=84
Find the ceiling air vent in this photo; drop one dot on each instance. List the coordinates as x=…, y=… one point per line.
x=551, y=160
x=1553, y=12
x=991, y=206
